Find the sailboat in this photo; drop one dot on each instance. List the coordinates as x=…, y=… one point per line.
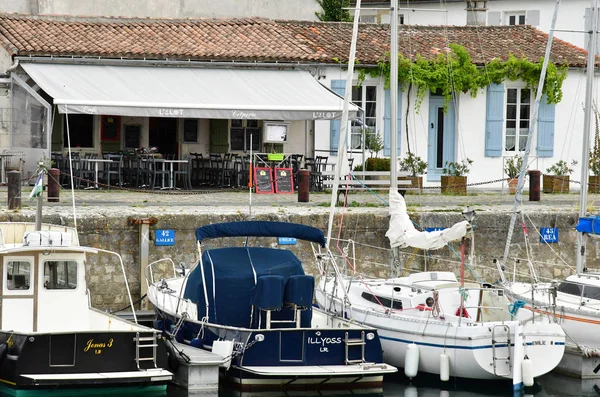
x=50, y=336
x=430, y=321
x=574, y=301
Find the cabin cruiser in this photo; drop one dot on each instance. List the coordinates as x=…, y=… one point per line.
x=50, y=336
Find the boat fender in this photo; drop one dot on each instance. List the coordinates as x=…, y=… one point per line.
x=196, y=343
x=159, y=325
x=411, y=361
x=462, y=312
x=527, y=372
x=444, y=367
x=421, y=307
x=3, y=352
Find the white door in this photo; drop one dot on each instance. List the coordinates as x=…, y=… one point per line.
x=17, y=293
x=63, y=299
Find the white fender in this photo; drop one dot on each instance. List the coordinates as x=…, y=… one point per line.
x=411, y=361
x=527, y=371
x=444, y=367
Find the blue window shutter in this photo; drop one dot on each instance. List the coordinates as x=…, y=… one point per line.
x=494, y=120
x=386, y=123
x=339, y=87
x=545, y=139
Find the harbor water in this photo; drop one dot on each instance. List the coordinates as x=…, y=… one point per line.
x=550, y=385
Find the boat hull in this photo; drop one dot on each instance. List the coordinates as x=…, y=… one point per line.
x=292, y=358
x=79, y=359
x=475, y=350
x=580, y=322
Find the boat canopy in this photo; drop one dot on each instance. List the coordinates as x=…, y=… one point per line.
x=261, y=229
x=228, y=278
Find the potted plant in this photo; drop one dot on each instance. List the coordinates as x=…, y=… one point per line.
x=416, y=167
x=512, y=169
x=556, y=179
x=454, y=178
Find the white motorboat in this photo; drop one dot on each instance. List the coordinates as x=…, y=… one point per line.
x=50, y=336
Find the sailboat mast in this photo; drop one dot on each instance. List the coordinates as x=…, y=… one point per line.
x=587, y=122
x=344, y=122
x=394, y=96
x=532, y=124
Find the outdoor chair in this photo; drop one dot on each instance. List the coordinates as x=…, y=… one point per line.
x=114, y=169
x=184, y=172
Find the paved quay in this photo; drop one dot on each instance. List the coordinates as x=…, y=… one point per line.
x=206, y=201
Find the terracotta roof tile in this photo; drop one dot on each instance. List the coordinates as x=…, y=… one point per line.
x=264, y=40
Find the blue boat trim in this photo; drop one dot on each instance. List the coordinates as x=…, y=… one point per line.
x=455, y=346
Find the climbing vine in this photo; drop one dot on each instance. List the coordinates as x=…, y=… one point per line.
x=456, y=72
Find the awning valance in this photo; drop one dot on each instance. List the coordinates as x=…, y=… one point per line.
x=150, y=91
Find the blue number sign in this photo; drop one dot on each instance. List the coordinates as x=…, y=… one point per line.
x=287, y=240
x=164, y=237
x=548, y=235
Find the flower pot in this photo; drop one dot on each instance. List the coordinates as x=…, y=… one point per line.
x=454, y=185
x=416, y=182
x=513, y=183
x=556, y=184
x=594, y=184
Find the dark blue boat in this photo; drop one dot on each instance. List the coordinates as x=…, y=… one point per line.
x=254, y=306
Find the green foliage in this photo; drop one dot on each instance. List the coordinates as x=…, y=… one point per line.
x=455, y=72
x=373, y=142
x=512, y=166
x=413, y=164
x=561, y=167
x=334, y=11
x=375, y=164
x=458, y=168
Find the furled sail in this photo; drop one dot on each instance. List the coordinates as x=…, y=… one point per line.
x=402, y=232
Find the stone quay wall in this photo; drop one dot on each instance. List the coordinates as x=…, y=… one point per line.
x=366, y=227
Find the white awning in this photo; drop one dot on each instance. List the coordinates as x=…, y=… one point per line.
x=150, y=91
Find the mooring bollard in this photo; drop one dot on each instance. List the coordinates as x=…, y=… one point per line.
x=303, y=185
x=534, y=185
x=53, y=185
x=14, y=189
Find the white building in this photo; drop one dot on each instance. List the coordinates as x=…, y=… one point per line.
x=572, y=18
x=274, y=9
x=57, y=65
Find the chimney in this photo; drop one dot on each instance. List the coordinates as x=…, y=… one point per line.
x=476, y=12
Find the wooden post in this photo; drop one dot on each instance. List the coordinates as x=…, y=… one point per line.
x=144, y=238
x=14, y=189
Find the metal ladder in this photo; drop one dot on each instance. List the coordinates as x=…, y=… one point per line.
x=355, y=342
x=141, y=342
x=496, y=349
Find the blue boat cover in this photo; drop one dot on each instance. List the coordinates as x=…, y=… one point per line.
x=232, y=289
x=299, y=290
x=589, y=225
x=261, y=229
x=268, y=294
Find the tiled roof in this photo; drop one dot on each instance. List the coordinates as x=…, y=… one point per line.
x=263, y=40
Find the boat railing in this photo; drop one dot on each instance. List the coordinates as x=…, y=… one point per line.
x=149, y=270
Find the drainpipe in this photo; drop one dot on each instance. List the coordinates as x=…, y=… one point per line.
x=13, y=66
